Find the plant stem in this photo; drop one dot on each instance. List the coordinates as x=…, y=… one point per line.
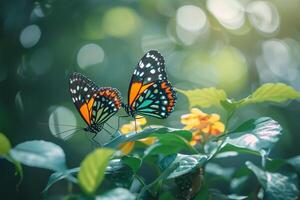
x=70, y=187
x=229, y=115
x=164, y=174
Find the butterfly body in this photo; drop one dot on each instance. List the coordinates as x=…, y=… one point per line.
x=150, y=93
x=95, y=104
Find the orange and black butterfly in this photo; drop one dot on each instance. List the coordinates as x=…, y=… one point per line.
x=150, y=93
x=95, y=104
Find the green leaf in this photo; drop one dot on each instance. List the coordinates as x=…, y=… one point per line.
x=219, y=171
x=256, y=135
x=205, y=97
x=169, y=144
x=186, y=164
x=18, y=166
x=5, y=145
x=117, y=193
x=118, y=173
x=295, y=162
x=272, y=92
x=133, y=162
x=164, y=134
x=166, y=161
x=276, y=186
x=60, y=175
x=92, y=169
x=217, y=195
x=39, y=153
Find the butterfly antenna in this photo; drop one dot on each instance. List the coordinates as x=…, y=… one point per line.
x=59, y=135
x=111, y=126
x=93, y=141
x=119, y=117
x=58, y=125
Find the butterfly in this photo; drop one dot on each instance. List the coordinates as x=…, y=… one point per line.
x=150, y=93
x=95, y=104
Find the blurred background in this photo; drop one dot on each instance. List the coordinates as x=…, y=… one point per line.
x=235, y=45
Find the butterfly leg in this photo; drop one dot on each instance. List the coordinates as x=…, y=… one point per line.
x=119, y=117
x=95, y=141
x=110, y=126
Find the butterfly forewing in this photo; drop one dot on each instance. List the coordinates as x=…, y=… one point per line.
x=150, y=68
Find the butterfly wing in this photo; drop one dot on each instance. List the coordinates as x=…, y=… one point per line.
x=149, y=88
x=95, y=105
x=107, y=101
x=158, y=100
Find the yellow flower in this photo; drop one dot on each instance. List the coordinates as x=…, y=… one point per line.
x=134, y=126
x=202, y=124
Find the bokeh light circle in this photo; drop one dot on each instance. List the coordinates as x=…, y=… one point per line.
x=30, y=36
x=191, y=18
x=230, y=13
x=191, y=22
x=278, y=62
x=62, y=122
x=263, y=16
x=120, y=22
x=89, y=55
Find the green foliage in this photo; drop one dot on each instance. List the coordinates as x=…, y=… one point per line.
x=276, y=186
x=159, y=133
x=205, y=98
x=256, y=135
x=269, y=92
x=39, y=153
x=117, y=193
x=133, y=162
x=92, y=169
x=175, y=166
x=60, y=175
x=5, y=145
x=295, y=162
x=186, y=164
x=272, y=92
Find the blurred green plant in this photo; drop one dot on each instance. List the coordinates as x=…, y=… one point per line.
x=182, y=170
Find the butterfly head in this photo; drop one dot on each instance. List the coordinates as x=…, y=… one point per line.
x=129, y=111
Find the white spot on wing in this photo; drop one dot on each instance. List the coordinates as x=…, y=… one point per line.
x=141, y=64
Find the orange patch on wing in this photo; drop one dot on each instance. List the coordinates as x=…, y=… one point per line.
x=169, y=95
x=136, y=89
x=86, y=110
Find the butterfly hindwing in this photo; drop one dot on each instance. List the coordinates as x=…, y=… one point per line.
x=107, y=102
x=158, y=100
x=95, y=105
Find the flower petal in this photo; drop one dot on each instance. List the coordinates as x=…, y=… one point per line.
x=148, y=141
x=126, y=128
x=127, y=147
x=214, y=118
x=217, y=128
x=140, y=120
x=198, y=112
